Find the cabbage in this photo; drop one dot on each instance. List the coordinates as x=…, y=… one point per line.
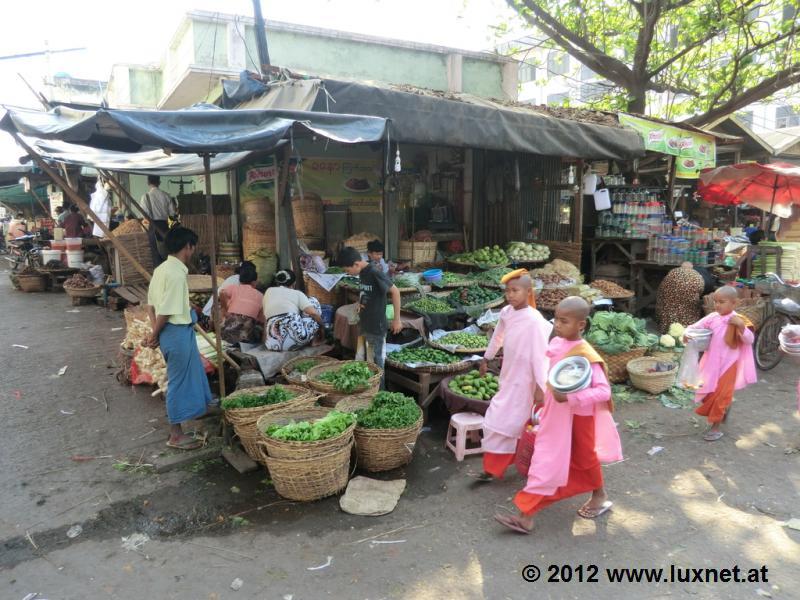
x=667, y=341
x=676, y=330
x=615, y=333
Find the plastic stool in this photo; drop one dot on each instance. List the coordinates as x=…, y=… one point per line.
x=460, y=427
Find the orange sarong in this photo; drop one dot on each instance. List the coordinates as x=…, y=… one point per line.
x=497, y=464
x=716, y=404
x=585, y=473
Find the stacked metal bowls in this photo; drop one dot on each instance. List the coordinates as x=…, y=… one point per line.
x=574, y=364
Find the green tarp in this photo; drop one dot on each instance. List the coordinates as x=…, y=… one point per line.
x=15, y=196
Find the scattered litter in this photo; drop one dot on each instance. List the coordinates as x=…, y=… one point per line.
x=237, y=584
x=763, y=593
x=327, y=564
x=235, y=490
x=116, y=329
x=374, y=542
x=425, y=429
x=82, y=458
x=67, y=412
x=135, y=541
x=288, y=596
x=62, y=370
x=792, y=524
x=371, y=497
x=74, y=531
x=720, y=497
x=655, y=450
x=33, y=596
x=17, y=394
x=770, y=445
x=74, y=310
x=434, y=469
x=19, y=346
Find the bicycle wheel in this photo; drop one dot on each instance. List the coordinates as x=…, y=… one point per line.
x=768, y=349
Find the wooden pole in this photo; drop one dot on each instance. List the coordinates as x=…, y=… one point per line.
x=577, y=231
x=284, y=193
x=673, y=164
x=123, y=193
x=39, y=200
x=214, y=289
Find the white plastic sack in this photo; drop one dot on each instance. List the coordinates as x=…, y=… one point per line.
x=689, y=374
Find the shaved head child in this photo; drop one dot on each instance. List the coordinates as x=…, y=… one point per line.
x=522, y=333
x=728, y=363
x=576, y=433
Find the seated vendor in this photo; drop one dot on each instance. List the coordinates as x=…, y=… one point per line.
x=374, y=256
x=242, y=308
x=293, y=319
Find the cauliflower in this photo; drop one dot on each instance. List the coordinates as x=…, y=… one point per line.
x=676, y=330
x=667, y=340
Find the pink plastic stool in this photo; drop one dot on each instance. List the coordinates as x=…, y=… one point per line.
x=462, y=425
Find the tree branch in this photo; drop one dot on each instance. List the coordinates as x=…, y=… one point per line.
x=644, y=41
x=780, y=80
x=683, y=52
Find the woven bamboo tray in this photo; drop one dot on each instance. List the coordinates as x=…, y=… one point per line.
x=617, y=364
x=299, y=450
x=653, y=383
x=457, y=367
x=286, y=369
x=628, y=294
x=664, y=356
x=334, y=400
x=83, y=292
x=32, y=283
x=354, y=403
x=320, y=293
x=417, y=252
x=386, y=449
x=482, y=267
x=304, y=480
x=460, y=350
x=327, y=388
x=244, y=419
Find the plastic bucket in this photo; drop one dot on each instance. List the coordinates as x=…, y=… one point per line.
x=74, y=243
x=59, y=245
x=48, y=255
x=75, y=259
x=433, y=275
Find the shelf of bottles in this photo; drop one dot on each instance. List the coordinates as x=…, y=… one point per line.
x=685, y=243
x=635, y=213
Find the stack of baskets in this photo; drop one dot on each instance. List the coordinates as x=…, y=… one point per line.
x=617, y=364
x=287, y=370
x=386, y=449
x=305, y=471
x=653, y=383
x=332, y=396
x=308, y=218
x=320, y=293
x=244, y=419
x=417, y=252
x=359, y=241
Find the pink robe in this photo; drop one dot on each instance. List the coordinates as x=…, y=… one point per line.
x=720, y=357
x=549, y=468
x=523, y=335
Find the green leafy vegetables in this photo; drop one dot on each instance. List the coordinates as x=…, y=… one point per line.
x=273, y=395
x=424, y=354
x=429, y=304
x=304, y=366
x=348, y=378
x=329, y=426
x=615, y=333
x=389, y=410
x=490, y=276
x=464, y=340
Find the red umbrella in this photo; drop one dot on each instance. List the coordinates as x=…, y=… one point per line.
x=774, y=187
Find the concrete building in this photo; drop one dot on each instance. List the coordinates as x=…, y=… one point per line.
x=208, y=47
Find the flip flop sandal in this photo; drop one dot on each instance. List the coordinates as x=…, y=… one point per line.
x=592, y=513
x=186, y=444
x=482, y=478
x=511, y=523
x=713, y=436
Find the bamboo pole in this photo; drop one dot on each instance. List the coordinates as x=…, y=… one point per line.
x=214, y=289
x=285, y=195
x=39, y=200
x=123, y=193
x=75, y=197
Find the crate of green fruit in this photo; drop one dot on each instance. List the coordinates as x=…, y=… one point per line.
x=471, y=385
x=296, y=370
x=461, y=342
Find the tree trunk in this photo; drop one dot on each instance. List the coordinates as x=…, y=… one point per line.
x=637, y=102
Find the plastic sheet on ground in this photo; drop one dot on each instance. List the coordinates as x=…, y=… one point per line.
x=371, y=497
x=270, y=362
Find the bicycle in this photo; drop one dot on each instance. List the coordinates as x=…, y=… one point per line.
x=24, y=252
x=784, y=310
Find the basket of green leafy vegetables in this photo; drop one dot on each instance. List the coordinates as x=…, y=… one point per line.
x=305, y=433
x=347, y=377
x=296, y=370
x=387, y=431
x=243, y=408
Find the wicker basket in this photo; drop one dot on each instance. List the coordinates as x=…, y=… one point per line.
x=308, y=222
x=568, y=251
x=258, y=236
x=327, y=388
x=417, y=252
x=224, y=271
x=386, y=449
x=258, y=210
x=320, y=293
x=357, y=402
x=286, y=369
x=83, y=292
x=360, y=241
x=434, y=344
x=458, y=367
x=653, y=383
x=617, y=364
x=334, y=400
x=244, y=419
x=755, y=312
x=299, y=450
x=310, y=479
x=664, y=355
x=32, y=283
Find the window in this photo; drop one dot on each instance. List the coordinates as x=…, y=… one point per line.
x=557, y=63
x=587, y=73
x=746, y=117
x=752, y=14
x=785, y=116
x=557, y=99
x=527, y=72
x=789, y=12
x=590, y=92
x=672, y=36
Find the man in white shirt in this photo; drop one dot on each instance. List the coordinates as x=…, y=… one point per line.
x=159, y=206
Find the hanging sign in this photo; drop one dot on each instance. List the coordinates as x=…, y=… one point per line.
x=352, y=182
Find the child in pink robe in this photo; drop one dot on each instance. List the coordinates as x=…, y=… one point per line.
x=728, y=364
x=522, y=333
x=577, y=432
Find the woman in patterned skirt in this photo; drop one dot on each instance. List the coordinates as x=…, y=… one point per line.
x=680, y=297
x=293, y=319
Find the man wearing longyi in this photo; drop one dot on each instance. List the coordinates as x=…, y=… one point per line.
x=522, y=333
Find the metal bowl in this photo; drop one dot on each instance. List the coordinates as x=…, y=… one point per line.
x=571, y=363
x=700, y=338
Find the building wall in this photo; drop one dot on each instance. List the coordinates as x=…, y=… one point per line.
x=145, y=86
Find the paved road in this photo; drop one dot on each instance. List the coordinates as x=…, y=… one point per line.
x=693, y=504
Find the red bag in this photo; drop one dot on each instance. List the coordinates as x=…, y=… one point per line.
x=522, y=459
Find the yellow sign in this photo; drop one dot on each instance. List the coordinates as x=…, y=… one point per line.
x=354, y=182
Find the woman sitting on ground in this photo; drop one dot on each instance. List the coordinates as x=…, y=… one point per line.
x=241, y=305
x=293, y=319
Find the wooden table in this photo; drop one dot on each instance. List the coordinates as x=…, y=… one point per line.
x=645, y=291
x=631, y=249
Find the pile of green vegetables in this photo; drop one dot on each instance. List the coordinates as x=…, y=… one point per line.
x=273, y=395
x=472, y=385
x=473, y=295
x=406, y=281
x=463, y=340
x=423, y=354
x=615, y=333
x=348, y=378
x=334, y=271
x=430, y=304
x=490, y=255
x=331, y=425
x=490, y=276
x=304, y=366
x=450, y=278
x=389, y=410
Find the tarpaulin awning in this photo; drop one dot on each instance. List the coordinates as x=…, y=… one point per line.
x=202, y=129
x=15, y=195
x=462, y=120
